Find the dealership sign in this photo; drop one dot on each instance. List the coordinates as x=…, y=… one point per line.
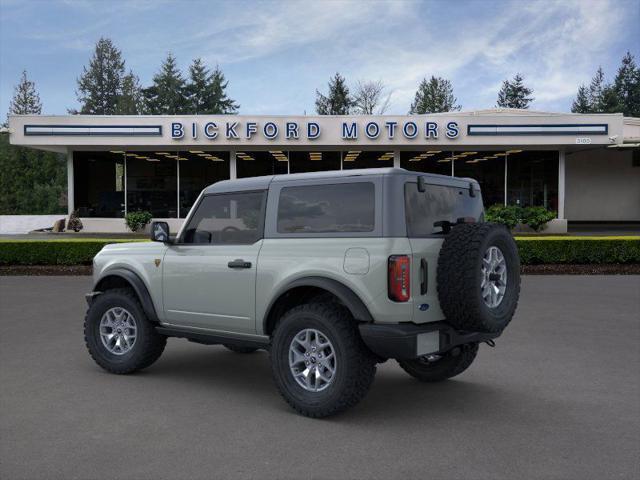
x=292, y=130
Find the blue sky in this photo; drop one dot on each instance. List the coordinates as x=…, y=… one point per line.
x=275, y=54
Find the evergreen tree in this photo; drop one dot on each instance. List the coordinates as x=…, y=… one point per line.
x=31, y=181
x=167, y=95
x=581, y=104
x=196, y=89
x=596, y=91
x=25, y=99
x=514, y=94
x=338, y=101
x=206, y=92
x=100, y=85
x=434, y=95
x=627, y=86
x=130, y=101
x=218, y=100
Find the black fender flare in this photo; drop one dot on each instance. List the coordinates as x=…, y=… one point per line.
x=133, y=279
x=347, y=296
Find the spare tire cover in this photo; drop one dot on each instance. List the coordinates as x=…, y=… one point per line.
x=479, y=277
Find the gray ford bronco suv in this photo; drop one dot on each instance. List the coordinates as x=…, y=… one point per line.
x=331, y=272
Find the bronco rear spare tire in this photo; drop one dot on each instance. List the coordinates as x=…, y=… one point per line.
x=479, y=277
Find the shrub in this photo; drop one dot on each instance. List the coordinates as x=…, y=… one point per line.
x=73, y=251
x=536, y=217
x=137, y=220
x=578, y=250
x=506, y=215
x=75, y=223
x=511, y=215
x=532, y=250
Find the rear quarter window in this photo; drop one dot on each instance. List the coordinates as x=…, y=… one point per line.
x=437, y=203
x=338, y=208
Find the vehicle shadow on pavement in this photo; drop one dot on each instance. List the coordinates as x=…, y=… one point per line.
x=393, y=395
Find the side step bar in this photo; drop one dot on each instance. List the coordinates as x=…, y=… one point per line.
x=207, y=338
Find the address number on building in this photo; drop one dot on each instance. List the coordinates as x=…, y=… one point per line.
x=583, y=141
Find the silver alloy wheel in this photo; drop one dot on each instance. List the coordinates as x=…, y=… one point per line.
x=118, y=330
x=312, y=360
x=494, y=277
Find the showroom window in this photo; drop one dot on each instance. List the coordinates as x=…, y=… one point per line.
x=198, y=169
x=429, y=160
x=99, y=184
x=259, y=163
x=152, y=184
x=366, y=159
x=316, y=161
x=532, y=178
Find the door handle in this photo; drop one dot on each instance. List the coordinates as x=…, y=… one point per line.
x=424, y=276
x=239, y=263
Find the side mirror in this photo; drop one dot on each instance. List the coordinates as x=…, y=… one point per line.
x=160, y=232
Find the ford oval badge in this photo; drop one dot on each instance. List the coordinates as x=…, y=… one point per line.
x=423, y=307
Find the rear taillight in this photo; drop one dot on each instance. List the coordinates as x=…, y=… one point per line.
x=399, y=278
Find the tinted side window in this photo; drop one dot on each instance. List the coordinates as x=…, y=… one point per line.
x=344, y=207
x=234, y=218
x=437, y=203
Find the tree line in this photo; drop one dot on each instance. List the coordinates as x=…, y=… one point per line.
x=435, y=95
x=33, y=181
x=106, y=88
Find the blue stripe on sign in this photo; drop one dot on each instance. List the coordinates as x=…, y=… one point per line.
x=94, y=130
x=558, y=129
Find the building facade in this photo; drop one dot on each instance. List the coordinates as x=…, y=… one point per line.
x=584, y=167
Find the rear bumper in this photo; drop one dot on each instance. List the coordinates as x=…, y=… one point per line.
x=409, y=340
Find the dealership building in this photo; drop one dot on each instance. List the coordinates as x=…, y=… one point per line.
x=584, y=167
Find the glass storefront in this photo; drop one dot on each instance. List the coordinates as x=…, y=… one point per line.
x=487, y=167
x=99, y=184
x=318, y=161
x=532, y=176
x=259, y=163
x=167, y=183
x=198, y=169
x=152, y=184
x=532, y=179
x=427, y=161
x=366, y=159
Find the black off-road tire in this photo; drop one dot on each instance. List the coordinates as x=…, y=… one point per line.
x=459, y=277
x=148, y=346
x=355, y=365
x=452, y=363
x=239, y=349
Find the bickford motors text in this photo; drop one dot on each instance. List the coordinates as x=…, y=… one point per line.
x=349, y=130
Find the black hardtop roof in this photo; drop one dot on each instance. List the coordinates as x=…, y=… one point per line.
x=262, y=183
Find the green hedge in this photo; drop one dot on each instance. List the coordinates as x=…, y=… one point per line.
x=578, y=250
x=52, y=252
x=533, y=250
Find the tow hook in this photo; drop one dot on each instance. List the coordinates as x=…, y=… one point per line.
x=491, y=343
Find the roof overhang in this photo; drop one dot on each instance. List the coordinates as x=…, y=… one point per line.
x=229, y=132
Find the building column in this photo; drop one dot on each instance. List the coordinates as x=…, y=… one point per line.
x=178, y=188
x=561, y=182
x=232, y=165
x=506, y=178
x=396, y=159
x=125, y=186
x=70, y=183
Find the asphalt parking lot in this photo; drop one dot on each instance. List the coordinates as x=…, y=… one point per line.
x=559, y=397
